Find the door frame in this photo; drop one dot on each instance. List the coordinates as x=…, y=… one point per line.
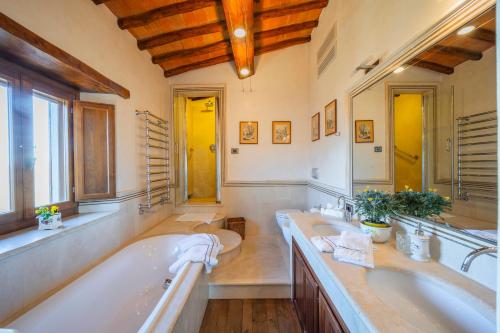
x=187, y=90
x=422, y=89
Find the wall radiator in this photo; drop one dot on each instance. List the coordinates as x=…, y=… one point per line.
x=157, y=161
x=477, y=156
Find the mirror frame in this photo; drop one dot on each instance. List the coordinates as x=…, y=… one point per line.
x=459, y=16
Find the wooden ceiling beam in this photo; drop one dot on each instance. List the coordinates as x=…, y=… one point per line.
x=162, y=12
x=483, y=35
x=225, y=44
x=198, y=65
x=281, y=45
x=239, y=15
x=286, y=29
x=228, y=57
x=169, y=37
x=289, y=10
x=432, y=66
x=459, y=52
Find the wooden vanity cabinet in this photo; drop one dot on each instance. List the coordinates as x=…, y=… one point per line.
x=314, y=309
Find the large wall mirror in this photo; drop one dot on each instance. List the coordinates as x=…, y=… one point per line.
x=431, y=123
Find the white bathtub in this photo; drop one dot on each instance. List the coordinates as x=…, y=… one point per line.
x=125, y=294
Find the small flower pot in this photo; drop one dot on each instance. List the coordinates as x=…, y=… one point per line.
x=53, y=222
x=380, y=232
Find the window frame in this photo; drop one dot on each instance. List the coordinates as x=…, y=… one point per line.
x=23, y=82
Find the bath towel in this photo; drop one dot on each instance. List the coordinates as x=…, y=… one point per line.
x=325, y=243
x=355, y=248
x=197, y=217
x=202, y=248
x=332, y=212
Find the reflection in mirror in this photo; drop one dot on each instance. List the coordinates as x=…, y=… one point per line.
x=431, y=124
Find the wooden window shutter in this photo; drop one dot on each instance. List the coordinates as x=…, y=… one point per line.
x=94, y=150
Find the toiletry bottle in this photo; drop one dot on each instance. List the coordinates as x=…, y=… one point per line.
x=419, y=245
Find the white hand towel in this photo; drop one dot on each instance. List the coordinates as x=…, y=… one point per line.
x=355, y=248
x=314, y=210
x=325, y=243
x=196, y=239
x=333, y=212
x=205, y=252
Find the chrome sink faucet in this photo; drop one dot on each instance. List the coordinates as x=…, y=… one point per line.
x=477, y=252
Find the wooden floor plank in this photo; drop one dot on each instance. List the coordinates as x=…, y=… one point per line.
x=272, y=315
x=234, y=316
x=259, y=316
x=246, y=322
x=250, y=316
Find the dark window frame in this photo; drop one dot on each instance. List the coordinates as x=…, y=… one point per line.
x=22, y=82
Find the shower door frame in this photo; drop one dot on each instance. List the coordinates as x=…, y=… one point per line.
x=217, y=91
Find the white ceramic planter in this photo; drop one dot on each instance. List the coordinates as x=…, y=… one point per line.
x=379, y=235
x=52, y=223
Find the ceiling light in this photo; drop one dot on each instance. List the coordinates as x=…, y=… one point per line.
x=244, y=71
x=399, y=70
x=239, y=33
x=465, y=30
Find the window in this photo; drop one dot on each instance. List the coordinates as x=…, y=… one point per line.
x=35, y=146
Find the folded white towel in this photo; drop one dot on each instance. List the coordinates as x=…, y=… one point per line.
x=355, y=248
x=198, y=248
x=197, y=217
x=314, y=210
x=333, y=212
x=325, y=243
x=196, y=239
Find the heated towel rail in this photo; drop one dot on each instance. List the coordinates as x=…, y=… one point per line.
x=477, y=156
x=157, y=161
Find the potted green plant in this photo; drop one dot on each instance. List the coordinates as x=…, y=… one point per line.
x=420, y=204
x=373, y=207
x=48, y=219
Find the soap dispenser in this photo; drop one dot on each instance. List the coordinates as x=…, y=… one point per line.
x=419, y=245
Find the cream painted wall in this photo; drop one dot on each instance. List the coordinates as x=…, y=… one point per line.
x=366, y=30
x=90, y=33
x=278, y=91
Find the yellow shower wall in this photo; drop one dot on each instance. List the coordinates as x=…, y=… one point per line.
x=408, y=140
x=200, y=134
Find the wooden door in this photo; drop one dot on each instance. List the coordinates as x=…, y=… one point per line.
x=328, y=323
x=311, y=290
x=298, y=294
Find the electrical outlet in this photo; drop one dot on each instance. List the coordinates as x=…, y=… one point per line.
x=235, y=150
x=377, y=149
x=349, y=208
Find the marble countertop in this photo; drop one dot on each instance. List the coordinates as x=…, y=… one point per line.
x=358, y=303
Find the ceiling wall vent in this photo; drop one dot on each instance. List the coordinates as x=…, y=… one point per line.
x=328, y=50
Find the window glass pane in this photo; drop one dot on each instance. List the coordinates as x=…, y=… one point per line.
x=50, y=136
x=6, y=172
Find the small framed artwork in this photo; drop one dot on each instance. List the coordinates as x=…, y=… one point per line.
x=249, y=132
x=282, y=132
x=364, y=131
x=315, y=127
x=331, y=118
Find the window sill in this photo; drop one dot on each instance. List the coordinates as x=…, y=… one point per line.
x=25, y=239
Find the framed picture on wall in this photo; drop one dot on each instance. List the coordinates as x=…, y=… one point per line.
x=331, y=118
x=315, y=127
x=282, y=132
x=249, y=132
x=363, y=131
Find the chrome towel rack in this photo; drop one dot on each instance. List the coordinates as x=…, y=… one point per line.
x=157, y=161
x=477, y=156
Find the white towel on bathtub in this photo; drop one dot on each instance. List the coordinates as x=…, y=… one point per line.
x=197, y=248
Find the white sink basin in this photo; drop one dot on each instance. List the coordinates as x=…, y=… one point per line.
x=332, y=229
x=429, y=304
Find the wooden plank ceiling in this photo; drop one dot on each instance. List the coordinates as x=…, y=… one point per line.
x=182, y=35
x=460, y=47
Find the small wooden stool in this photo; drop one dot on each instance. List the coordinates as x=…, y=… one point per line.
x=236, y=224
